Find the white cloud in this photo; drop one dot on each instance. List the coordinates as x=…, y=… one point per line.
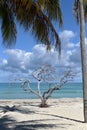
x=70, y=50
x=66, y=38
x=20, y=61
x=67, y=35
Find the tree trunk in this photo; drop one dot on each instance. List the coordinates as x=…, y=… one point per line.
x=83, y=58
x=43, y=103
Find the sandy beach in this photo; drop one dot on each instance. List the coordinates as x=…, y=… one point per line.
x=62, y=114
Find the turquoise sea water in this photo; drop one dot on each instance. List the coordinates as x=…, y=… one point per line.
x=14, y=91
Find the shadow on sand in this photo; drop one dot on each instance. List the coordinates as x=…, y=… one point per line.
x=20, y=109
x=8, y=123
x=66, y=118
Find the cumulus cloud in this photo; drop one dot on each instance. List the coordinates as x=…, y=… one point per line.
x=70, y=50
x=20, y=61
x=66, y=39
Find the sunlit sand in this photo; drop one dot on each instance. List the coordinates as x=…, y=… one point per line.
x=62, y=114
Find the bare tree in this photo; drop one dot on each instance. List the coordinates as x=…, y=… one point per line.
x=47, y=74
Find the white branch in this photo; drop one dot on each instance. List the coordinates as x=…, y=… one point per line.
x=30, y=89
x=63, y=80
x=39, y=88
x=37, y=78
x=48, y=93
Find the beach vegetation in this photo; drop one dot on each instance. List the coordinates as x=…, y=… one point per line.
x=47, y=74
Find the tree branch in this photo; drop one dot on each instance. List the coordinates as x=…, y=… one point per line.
x=30, y=89
x=63, y=80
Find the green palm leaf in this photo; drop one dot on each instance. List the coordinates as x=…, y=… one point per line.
x=8, y=26
x=40, y=24
x=76, y=9
x=85, y=10
x=33, y=15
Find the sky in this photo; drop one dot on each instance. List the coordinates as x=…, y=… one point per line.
x=27, y=55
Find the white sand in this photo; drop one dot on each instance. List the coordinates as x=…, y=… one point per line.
x=62, y=114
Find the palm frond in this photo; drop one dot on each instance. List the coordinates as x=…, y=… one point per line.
x=53, y=11
x=76, y=10
x=8, y=26
x=39, y=24
x=85, y=9
x=34, y=15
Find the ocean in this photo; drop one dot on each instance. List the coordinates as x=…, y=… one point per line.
x=14, y=91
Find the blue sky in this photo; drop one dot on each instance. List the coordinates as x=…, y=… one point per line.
x=27, y=54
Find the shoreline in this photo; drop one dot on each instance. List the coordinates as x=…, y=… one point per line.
x=38, y=101
x=48, y=99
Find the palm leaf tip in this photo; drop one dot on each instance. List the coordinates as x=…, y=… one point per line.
x=76, y=10
x=8, y=26
x=30, y=15
x=85, y=9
